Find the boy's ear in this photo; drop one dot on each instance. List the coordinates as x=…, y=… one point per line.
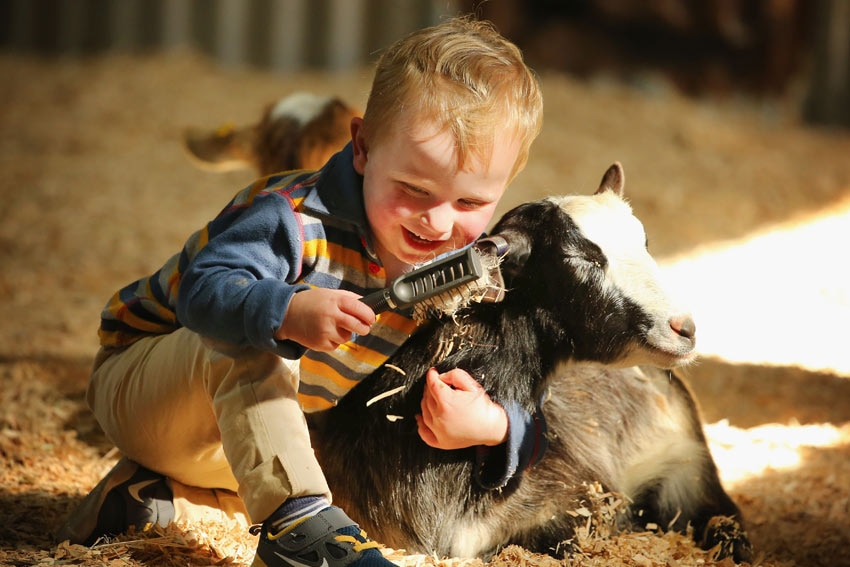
x=358, y=144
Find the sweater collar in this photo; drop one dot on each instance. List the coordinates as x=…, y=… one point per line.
x=339, y=194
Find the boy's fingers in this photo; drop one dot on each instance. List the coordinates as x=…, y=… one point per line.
x=359, y=310
x=460, y=380
x=353, y=326
x=425, y=432
x=354, y=321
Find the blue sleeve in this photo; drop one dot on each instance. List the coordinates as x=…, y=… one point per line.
x=525, y=446
x=238, y=286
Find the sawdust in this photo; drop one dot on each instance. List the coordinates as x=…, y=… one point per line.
x=96, y=191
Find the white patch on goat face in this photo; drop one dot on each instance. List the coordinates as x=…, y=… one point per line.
x=301, y=107
x=607, y=220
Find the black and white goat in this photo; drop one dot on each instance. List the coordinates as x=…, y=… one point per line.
x=583, y=308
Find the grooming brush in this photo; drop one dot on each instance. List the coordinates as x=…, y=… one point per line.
x=447, y=283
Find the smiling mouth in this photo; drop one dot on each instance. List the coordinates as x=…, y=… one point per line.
x=421, y=241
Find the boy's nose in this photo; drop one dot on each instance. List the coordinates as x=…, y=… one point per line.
x=437, y=220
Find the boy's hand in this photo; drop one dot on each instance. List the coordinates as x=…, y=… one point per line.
x=458, y=413
x=322, y=319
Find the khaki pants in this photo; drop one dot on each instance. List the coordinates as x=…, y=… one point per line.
x=209, y=415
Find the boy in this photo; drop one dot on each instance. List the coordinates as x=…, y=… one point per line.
x=207, y=366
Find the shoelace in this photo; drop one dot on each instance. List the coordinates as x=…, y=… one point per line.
x=257, y=528
x=359, y=545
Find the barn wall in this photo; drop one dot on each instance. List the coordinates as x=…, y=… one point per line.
x=828, y=100
x=277, y=34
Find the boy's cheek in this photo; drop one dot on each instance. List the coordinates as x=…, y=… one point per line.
x=476, y=224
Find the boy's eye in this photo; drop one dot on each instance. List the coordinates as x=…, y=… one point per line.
x=470, y=204
x=413, y=190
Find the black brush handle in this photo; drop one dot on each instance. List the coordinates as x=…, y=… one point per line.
x=379, y=301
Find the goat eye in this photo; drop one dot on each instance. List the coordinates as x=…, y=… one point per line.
x=584, y=259
x=597, y=263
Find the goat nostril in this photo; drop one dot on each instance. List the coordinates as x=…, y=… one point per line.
x=684, y=326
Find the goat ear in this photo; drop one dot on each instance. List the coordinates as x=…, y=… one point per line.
x=613, y=180
x=519, y=249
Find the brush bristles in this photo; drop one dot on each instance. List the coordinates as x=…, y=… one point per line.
x=487, y=288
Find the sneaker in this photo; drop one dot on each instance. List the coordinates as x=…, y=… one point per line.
x=129, y=495
x=328, y=539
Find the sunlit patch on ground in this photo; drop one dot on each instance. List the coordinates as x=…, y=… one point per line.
x=741, y=454
x=779, y=297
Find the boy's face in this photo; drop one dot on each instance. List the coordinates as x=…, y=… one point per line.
x=417, y=202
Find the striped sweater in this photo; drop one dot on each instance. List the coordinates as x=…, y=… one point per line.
x=234, y=278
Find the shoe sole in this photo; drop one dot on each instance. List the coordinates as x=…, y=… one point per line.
x=81, y=523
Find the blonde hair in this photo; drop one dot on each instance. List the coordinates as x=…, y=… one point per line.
x=464, y=77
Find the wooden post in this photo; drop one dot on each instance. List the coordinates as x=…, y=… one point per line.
x=828, y=100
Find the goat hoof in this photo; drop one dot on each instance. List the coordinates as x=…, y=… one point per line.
x=725, y=537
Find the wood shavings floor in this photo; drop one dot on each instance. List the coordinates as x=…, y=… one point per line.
x=96, y=191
